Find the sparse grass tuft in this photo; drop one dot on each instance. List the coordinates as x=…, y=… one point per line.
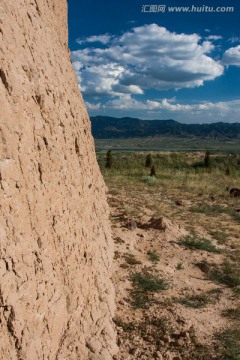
x=153, y=328
x=230, y=341
x=237, y=291
x=215, y=210
x=131, y=259
x=140, y=300
x=202, y=352
x=148, y=283
x=196, y=301
x=194, y=242
x=215, y=292
x=180, y=266
x=125, y=326
x=220, y=236
x=124, y=266
x=144, y=285
x=153, y=256
x=233, y=313
x=228, y=273
x=117, y=255
x=118, y=240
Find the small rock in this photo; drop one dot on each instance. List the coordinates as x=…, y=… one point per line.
x=211, y=197
x=158, y=355
x=180, y=342
x=185, y=334
x=166, y=339
x=168, y=355
x=133, y=351
x=132, y=225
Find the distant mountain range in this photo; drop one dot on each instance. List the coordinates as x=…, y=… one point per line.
x=105, y=127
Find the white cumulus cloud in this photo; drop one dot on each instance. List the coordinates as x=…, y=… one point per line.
x=214, y=37
x=146, y=57
x=126, y=102
x=204, y=111
x=232, y=56
x=104, y=39
x=91, y=106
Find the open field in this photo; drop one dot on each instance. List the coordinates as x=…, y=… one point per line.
x=177, y=255
x=170, y=143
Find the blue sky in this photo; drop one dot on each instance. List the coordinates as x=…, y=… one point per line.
x=158, y=65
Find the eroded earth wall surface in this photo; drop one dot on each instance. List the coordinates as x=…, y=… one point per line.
x=56, y=299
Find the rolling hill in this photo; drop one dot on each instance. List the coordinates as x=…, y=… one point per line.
x=105, y=127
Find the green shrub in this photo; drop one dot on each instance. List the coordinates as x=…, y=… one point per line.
x=153, y=256
x=193, y=242
x=149, y=161
x=109, y=160
x=207, y=159
x=144, y=285
x=149, y=283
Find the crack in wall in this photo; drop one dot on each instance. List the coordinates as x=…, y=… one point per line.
x=4, y=81
x=17, y=342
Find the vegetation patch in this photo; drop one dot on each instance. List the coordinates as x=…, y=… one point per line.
x=130, y=326
x=180, y=266
x=230, y=342
x=194, y=242
x=153, y=256
x=148, y=282
x=228, y=273
x=144, y=285
x=149, y=179
x=196, y=301
x=118, y=240
x=131, y=259
x=233, y=313
x=153, y=328
x=124, y=266
x=220, y=236
x=215, y=210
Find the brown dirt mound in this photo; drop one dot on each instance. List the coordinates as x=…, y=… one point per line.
x=163, y=224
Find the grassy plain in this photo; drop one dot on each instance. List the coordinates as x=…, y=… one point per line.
x=171, y=143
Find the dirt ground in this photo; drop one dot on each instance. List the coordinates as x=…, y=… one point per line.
x=182, y=320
